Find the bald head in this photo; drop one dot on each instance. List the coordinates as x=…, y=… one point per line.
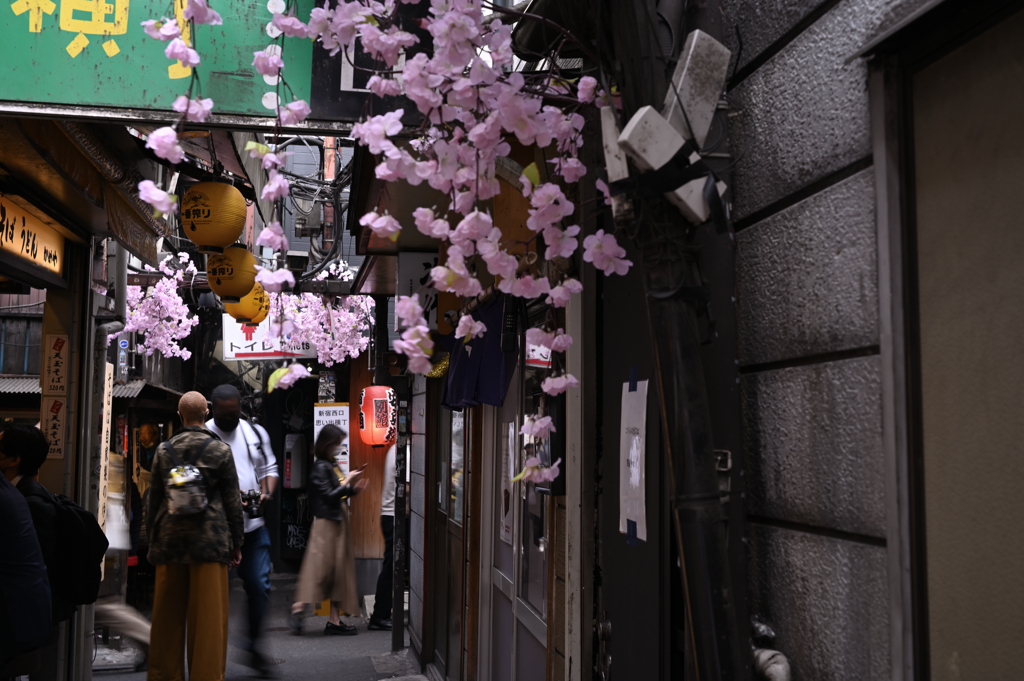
x=192, y=409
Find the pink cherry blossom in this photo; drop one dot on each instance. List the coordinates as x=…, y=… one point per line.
x=294, y=373
x=549, y=206
x=384, y=87
x=570, y=168
x=274, y=281
x=375, y=131
x=585, y=90
x=161, y=201
x=537, y=426
x=469, y=328
x=293, y=113
x=417, y=346
x=273, y=237
x=498, y=261
x=560, y=242
x=267, y=64
x=199, y=12
x=195, y=110
x=386, y=45
x=159, y=314
x=409, y=310
x=474, y=226
x=289, y=25
x=603, y=188
x=534, y=472
x=430, y=226
x=383, y=226
x=163, y=30
x=556, y=385
x=164, y=143
x=559, y=296
x=606, y=254
x=277, y=187
x=525, y=286
x=281, y=327
x=178, y=49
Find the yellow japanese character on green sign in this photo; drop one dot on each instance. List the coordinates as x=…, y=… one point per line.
x=96, y=23
x=36, y=9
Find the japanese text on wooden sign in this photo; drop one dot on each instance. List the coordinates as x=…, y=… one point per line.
x=53, y=423
x=28, y=238
x=55, y=365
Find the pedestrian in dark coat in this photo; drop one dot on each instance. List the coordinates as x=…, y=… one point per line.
x=192, y=553
x=329, y=569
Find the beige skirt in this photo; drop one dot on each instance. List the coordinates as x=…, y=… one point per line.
x=329, y=567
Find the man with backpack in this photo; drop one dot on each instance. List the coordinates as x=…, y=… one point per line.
x=257, y=473
x=71, y=540
x=195, y=529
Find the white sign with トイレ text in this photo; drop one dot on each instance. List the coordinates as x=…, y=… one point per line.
x=244, y=341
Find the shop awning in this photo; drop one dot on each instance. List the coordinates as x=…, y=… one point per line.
x=134, y=387
x=24, y=385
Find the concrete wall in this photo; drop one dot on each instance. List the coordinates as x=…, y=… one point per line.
x=809, y=329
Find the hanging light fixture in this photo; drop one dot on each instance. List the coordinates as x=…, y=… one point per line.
x=231, y=274
x=378, y=415
x=213, y=215
x=252, y=305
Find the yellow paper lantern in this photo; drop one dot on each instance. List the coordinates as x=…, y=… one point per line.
x=231, y=274
x=264, y=311
x=213, y=215
x=254, y=304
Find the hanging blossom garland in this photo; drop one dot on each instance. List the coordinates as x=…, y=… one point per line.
x=338, y=328
x=160, y=314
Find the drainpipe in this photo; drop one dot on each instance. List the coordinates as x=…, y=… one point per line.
x=85, y=625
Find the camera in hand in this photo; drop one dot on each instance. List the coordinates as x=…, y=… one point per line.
x=251, y=501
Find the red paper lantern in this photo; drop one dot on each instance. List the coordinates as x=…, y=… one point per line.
x=378, y=415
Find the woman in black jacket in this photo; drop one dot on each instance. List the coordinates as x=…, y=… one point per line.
x=329, y=566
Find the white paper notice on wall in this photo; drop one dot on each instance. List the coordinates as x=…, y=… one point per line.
x=632, y=461
x=337, y=414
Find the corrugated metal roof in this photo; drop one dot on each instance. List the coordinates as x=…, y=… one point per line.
x=129, y=389
x=28, y=385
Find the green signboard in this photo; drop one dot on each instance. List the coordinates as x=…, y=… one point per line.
x=94, y=54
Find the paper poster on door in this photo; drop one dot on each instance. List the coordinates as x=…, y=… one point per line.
x=508, y=448
x=632, y=444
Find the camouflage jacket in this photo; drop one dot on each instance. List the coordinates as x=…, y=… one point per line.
x=206, y=537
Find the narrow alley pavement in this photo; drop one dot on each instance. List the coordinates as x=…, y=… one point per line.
x=364, y=657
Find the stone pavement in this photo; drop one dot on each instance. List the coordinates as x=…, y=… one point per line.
x=364, y=657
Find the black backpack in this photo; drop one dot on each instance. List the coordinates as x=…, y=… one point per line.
x=81, y=545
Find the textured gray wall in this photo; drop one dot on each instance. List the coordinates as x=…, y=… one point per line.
x=813, y=437
x=807, y=276
x=807, y=287
x=804, y=113
x=827, y=600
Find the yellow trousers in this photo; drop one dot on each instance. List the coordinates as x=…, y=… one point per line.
x=193, y=598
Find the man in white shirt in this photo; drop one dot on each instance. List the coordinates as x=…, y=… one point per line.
x=257, y=470
x=382, y=604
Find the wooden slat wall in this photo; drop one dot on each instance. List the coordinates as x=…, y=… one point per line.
x=11, y=304
x=367, y=538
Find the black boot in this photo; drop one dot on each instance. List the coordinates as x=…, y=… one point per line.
x=341, y=629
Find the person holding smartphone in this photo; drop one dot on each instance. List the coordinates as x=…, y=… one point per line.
x=329, y=566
